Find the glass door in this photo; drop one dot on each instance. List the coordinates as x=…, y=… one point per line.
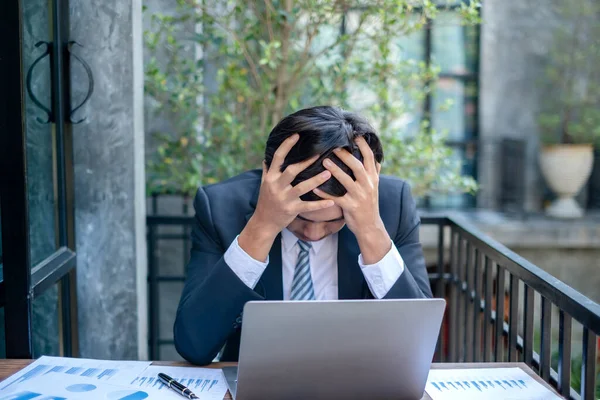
x=36, y=197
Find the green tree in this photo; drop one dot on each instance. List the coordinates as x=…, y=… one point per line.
x=274, y=57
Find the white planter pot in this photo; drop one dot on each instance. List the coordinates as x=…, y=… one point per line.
x=566, y=168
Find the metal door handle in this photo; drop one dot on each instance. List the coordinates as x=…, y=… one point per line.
x=90, y=90
x=50, y=115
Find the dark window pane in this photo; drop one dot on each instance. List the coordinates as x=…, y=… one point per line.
x=172, y=255
x=39, y=136
x=446, y=117
x=45, y=324
x=410, y=47
x=2, y=335
x=448, y=43
x=471, y=98
x=1, y=259
x=472, y=47
x=168, y=297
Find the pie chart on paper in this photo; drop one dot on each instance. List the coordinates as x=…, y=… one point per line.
x=127, y=395
x=82, y=387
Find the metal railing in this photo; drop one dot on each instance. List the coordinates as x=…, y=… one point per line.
x=490, y=292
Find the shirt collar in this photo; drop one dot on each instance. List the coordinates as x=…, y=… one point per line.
x=288, y=240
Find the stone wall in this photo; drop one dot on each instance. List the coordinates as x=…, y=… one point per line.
x=515, y=39
x=109, y=181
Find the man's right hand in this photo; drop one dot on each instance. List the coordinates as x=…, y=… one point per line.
x=279, y=202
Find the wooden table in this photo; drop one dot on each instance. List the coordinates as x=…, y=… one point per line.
x=9, y=367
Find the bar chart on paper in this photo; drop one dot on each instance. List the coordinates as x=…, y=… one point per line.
x=206, y=383
x=117, y=372
x=485, y=383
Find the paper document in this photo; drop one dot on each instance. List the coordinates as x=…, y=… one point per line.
x=485, y=383
x=57, y=386
x=206, y=383
x=65, y=387
x=115, y=372
x=77, y=379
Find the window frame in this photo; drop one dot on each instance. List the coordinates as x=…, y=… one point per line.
x=23, y=282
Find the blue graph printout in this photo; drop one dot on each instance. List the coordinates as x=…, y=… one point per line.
x=61, y=386
x=485, y=383
x=206, y=383
x=116, y=372
x=58, y=386
x=58, y=378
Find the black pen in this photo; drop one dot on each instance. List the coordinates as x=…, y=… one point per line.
x=176, y=386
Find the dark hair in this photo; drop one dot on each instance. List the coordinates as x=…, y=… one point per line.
x=322, y=129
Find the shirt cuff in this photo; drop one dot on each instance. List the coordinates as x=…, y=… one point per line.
x=243, y=265
x=383, y=275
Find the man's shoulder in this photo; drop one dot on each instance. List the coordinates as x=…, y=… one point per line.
x=396, y=205
x=247, y=178
x=388, y=182
x=392, y=194
x=240, y=188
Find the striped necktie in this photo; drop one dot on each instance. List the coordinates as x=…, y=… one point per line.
x=302, y=284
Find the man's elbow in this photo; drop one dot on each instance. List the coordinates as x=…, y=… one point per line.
x=190, y=345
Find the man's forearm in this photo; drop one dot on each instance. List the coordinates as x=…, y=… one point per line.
x=256, y=239
x=374, y=244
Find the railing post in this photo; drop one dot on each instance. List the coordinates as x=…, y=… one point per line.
x=546, y=336
x=453, y=296
x=513, y=317
x=153, y=311
x=499, y=334
x=477, y=306
x=441, y=284
x=588, y=366
x=469, y=306
x=564, y=353
x=460, y=337
x=441, y=288
x=487, y=317
x=528, y=326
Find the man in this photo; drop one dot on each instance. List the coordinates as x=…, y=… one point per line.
x=317, y=223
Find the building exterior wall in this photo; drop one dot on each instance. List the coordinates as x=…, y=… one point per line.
x=109, y=180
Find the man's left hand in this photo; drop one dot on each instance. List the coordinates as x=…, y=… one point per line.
x=361, y=202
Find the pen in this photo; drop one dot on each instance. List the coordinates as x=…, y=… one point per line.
x=176, y=386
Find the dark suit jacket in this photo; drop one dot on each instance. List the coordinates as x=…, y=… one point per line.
x=209, y=313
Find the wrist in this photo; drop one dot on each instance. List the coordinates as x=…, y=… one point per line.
x=372, y=232
x=257, y=239
x=262, y=228
x=374, y=243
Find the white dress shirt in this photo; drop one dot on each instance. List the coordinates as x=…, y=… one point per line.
x=323, y=267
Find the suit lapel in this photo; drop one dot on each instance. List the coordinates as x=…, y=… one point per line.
x=272, y=279
x=350, y=278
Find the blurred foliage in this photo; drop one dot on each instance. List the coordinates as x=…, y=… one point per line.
x=571, y=84
x=576, y=364
x=225, y=72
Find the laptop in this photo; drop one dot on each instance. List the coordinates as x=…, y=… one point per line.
x=347, y=349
